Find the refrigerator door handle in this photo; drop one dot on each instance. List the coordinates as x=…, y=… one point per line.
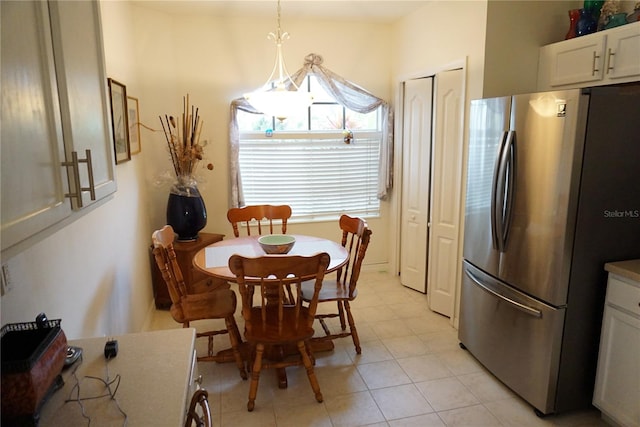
x=511, y=173
x=519, y=306
x=500, y=187
x=496, y=205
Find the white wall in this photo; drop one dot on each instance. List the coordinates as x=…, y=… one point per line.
x=216, y=59
x=438, y=34
x=515, y=32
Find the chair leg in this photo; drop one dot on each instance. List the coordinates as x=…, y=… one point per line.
x=255, y=377
x=313, y=380
x=312, y=357
x=341, y=315
x=232, y=329
x=236, y=331
x=352, y=328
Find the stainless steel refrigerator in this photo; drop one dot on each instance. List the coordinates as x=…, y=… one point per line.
x=553, y=193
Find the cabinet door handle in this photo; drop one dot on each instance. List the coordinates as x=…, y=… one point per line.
x=594, y=68
x=610, y=54
x=91, y=188
x=75, y=166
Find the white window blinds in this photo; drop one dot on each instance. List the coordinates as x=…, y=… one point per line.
x=319, y=176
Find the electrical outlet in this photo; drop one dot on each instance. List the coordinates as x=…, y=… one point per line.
x=6, y=279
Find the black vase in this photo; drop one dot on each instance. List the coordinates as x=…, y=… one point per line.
x=186, y=211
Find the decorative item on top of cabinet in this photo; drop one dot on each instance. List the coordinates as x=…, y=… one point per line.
x=606, y=57
x=185, y=252
x=54, y=112
x=574, y=15
x=586, y=23
x=635, y=15
x=609, y=8
x=615, y=20
x=595, y=6
x=186, y=211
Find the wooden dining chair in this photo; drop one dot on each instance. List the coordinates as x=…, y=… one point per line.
x=272, y=322
x=199, y=412
x=254, y=216
x=342, y=290
x=198, y=303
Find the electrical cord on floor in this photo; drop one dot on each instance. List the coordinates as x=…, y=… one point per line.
x=109, y=392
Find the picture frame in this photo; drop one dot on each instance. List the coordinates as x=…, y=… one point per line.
x=133, y=116
x=119, y=122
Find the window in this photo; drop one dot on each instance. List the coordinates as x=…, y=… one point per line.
x=304, y=161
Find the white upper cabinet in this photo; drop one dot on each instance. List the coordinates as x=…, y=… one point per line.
x=623, y=53
x=82, y=85
x=33, y=182
x=606, y=57
x=54, y=109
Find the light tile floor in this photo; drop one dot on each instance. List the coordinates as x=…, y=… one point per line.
x=411, y=372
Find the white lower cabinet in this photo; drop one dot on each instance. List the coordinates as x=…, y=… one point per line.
x=617, y=389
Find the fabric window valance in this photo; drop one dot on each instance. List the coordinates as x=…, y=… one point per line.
x=346, y=93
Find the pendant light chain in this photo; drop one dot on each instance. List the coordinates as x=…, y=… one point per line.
x=279, y=36
x=280, y=95
x=279, y=14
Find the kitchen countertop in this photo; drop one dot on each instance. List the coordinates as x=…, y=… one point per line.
x=629, y=269
x=151, y=374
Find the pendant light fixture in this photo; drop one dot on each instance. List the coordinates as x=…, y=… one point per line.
x=279, y=96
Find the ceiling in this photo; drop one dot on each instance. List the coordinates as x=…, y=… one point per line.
x=383, y=11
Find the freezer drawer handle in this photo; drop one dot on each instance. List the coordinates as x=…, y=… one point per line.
x=531, y=311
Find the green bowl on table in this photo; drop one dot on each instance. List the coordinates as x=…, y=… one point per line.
x=276, y=243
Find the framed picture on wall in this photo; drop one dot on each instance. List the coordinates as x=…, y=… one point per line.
x=134, y=124
x=119, y=122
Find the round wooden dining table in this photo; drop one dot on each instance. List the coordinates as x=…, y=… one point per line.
x=214, y=261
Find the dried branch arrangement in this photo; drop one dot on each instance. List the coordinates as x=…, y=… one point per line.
x=183, y=139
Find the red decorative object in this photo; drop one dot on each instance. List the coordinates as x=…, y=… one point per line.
x=574, y=15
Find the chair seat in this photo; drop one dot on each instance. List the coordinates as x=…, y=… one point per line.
x=210, y=305
x=331, y=291
x=267, y=332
